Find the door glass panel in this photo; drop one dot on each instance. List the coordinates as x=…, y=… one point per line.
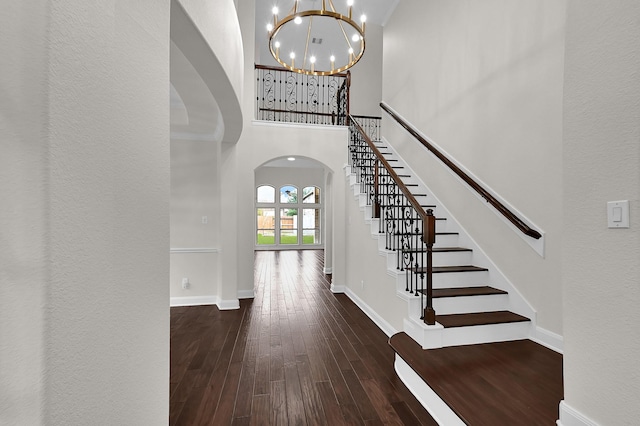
x=266, y=226
x=288, y=226
x=311, y=226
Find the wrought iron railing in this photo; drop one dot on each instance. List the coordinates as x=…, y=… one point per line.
x=282, y=95
x=409, y=227
x=370, y=125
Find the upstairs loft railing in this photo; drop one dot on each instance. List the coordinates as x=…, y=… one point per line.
x=285, y=96
x=508, y=214
x=409, y=227
x=289, y=97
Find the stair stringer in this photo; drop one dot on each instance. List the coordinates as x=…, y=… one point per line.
x=437, y=336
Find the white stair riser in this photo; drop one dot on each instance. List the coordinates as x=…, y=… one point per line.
x=460, y=305
x=460, y=279
x=443, y=280
x=439, y=258
x=431, y=337
x=469, y=304
x=446, y=240
x=446, y=280
x=486, y=333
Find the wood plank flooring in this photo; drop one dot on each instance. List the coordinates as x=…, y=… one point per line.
x=506, y=383
x=296, y=354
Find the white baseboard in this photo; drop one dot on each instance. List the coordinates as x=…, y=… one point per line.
x=246, y=294
x=547, y=338
x=569, y=416
x=193, y=301
x=438, y=409
x=382, y=324
x=337, y=288
x=223, y=305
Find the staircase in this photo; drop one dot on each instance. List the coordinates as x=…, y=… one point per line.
x=473, y=301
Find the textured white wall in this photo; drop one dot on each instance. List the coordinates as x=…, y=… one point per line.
x=485, y=84
x=366, y=76
x=24, y=244
x=601, y=267
x=85, y=120
x=107, y=314
x=367, y=271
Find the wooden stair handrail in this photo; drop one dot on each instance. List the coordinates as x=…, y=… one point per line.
x=511, y=217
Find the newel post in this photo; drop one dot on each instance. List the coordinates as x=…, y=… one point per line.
x=429, y=238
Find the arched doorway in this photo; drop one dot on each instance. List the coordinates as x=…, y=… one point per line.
x=289, y=204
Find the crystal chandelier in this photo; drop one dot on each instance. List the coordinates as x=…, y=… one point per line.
x=317, y=41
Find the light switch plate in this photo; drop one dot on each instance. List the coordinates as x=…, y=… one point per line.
x=618, y=214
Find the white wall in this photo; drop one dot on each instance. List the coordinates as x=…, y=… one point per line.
x=484, y=81
x=366, y=76
x=367, y=274
x=195, y=195
x=24, y=246
x=601, y=268
x=84, y=245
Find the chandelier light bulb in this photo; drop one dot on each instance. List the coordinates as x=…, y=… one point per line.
x=292, y=55
x=312, y=59
x=355, y=38
x=298, y=20
x=277, y=44
x=349, y=2
x=332, y=58
x=363, y=18
x=351, y=50
x=274, y=10
x=269, y=27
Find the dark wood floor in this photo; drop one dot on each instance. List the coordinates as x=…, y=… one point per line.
x=297, y=354
x=506, y=383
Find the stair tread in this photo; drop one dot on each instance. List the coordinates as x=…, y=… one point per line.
x=466, y=291
x=438, y=250
x=461, y=268
x=393, y=183
x=445, y=269
x=479, y=318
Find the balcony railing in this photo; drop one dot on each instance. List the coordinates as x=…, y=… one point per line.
x=285, y=96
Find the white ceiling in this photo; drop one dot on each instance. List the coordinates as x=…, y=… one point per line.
x=376, y=11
